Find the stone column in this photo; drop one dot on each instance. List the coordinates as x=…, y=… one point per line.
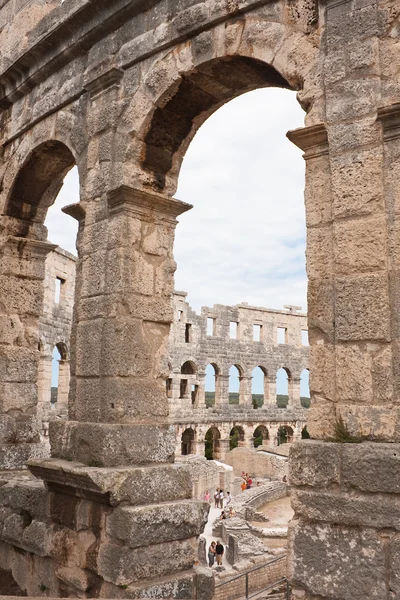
x=245, y=398
x=223, y=391
x=201, y=394
x=344, y=494
x=223, y=449
x=44, y=389
x=294, y=393
x=22, y=272
x=270, y=383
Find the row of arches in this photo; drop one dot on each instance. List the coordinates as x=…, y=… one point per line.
x=258, y=387
x=215, y=445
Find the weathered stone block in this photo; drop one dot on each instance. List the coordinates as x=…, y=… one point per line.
x=158, y=523
x=371, y=467
x=347, y=560
x=378, y=511
x=370, y=422
x=360, y=245
x=362, y=308
x=122, y=565
x=313, y=463
x=108, y=445
x=353, y=374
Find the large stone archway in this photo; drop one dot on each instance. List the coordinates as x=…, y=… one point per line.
x=124, y=86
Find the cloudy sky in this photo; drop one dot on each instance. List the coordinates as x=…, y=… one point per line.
x=244, y=239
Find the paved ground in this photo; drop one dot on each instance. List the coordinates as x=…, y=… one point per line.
x=279, y=512
x=213, y=515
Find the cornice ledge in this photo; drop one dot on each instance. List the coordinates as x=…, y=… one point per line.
x=126, y=198
x=390, y=119
x=105, y=81
x=75, y=210
x=312, y=140
x=36, y=248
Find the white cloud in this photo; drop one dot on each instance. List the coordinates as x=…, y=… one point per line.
x=244, y=240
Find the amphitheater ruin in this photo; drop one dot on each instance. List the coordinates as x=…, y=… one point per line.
x=119, y=89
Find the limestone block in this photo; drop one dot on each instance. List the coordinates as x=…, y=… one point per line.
x=371, y=467
x=36, y=538
x=80, y=579
x=357, y=183
x=27, y=428
x=321, y=418
x=89, y=337
x=192, y=17
x=362, y=308
x=158, y=523
x=175, y=586
x=93, y=275
x=90, y=393
x=382, y=374
x=378, y=511
x=321, y=310
x=353, y=374
x=131, y=399
x=123, y=485
x=22, y=296
x=313, y=463
x=7, y=429
x=360, y=245
x=352, y=98
x=348, y=136
x=122, y=565
x=17, y=396
x=14, y=456
x=319, y=252
x=123, y=231
x=331, y=557
x=110, y=445
x=370, y=422
x=126, y=349
x=30, y=497
x=322, y=359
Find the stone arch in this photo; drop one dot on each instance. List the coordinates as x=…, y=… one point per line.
x=285, y=434
x=236, y=437
x=212, y=397
x=35, y=186
x=187, y=441
x=285, y=371
x=188, y=368
x=260, y=435
x=212, y=443
x=235, y=388
x=182, y=89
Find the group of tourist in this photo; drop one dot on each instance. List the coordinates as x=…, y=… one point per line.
x=247, y=481
x=215, y=552
x=219, y=497
x=227, y=515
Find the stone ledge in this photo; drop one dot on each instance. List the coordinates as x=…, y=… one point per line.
x=133, y=485
x=110, y=445
x=314, y=463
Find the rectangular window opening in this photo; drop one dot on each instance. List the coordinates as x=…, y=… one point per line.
x=233, y=330
x=304, y=337
x=180, y=315
x=169, y=387
x=58, y=289
x=257, y=329
x=183, y=388
x=210, y=326
x=188, y=333
x=282, y=335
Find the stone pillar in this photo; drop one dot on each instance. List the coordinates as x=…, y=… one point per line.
x=345, y=495
x=223, y=391
x=294, y=393
x=223, y=449
x=201, y=393
x=22, y=272
x=270, y=383
x=44, y=389
x=245, y=398
x=119, y=431
x=199, y=447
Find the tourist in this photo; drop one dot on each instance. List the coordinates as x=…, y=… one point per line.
x=211, y=554
x=206, y=496
x=228, y=498
x=221, y=499
x=219, y=551
x=249, y=483
x=243, y=486
x=222, y=515
x=216, y=498
x=231, y=513
x=258, y=483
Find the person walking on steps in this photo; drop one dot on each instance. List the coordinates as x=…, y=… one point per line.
x=219, y=552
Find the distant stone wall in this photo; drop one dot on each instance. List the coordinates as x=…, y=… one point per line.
x=257, y=463
x=209, y=475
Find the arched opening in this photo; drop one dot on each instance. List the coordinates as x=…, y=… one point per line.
x=305, y=388
x=187, y=442
x=235, y=375
x=282, y=387
x=259, y=387
x=260, y=435
x=285, y=435
x=236, y=436
x=211, y=384
x=304, y=433
x=212, y=444
x=36, y=187
x=55, y=374
x=188, y=368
